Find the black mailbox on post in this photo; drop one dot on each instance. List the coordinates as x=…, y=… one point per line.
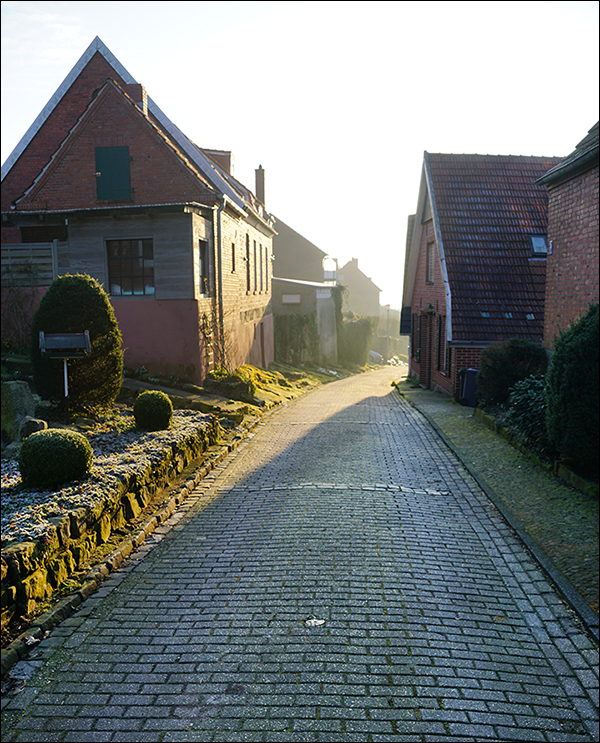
x=65, y=346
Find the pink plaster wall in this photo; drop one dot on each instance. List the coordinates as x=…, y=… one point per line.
x=162, y=335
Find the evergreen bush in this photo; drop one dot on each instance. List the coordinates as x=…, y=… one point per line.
x=153, y=411
x=74, y=304
x=354, y=338
x=572, y=394
x=51, y=458
x=503, y=364
x=526, y=416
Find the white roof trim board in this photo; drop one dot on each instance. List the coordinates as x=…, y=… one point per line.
x=193, y=152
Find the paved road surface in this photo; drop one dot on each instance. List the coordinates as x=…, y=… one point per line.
x=340, y=578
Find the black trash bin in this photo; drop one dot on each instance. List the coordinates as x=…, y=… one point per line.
x=468, y=387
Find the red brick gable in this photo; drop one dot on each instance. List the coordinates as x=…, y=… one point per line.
x=160, y=173
x=56, y=127
x=487, y=208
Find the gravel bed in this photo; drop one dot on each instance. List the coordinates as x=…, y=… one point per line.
x=24, y=513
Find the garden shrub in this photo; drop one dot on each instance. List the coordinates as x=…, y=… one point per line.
x=505, y=363
x=572, y=394
x=526, y=416
x=354, y=338
x=237, y=386
x=74, y=304
x=51, y=458
x=153, y=411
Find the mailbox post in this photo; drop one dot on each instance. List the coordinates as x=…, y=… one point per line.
x=65, y=346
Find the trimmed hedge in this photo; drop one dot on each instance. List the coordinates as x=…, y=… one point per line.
x=51, y=458
x=153, y=411
x=572, y=394
x=73, y=304
x=505, y=363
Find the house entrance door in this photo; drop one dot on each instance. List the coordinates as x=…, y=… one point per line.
x=427, y=319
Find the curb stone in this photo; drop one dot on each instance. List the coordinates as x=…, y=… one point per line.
x=19, y=648
x=571, y=595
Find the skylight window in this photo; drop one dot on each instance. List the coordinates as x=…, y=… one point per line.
x=539, y=245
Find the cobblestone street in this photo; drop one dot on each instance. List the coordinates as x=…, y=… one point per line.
x=340, y=577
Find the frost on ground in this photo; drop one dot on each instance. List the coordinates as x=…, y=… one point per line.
x=24, y=513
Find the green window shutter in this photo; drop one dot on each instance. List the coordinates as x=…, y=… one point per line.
x=113, y=181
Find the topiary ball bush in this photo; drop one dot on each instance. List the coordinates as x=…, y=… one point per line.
x=153, y=411
x=51, y=458
x=572, y=383
x=503, y=364
x=73, y=304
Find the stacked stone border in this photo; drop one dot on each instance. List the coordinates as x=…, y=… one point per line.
x=560, y=470
x=26, y=568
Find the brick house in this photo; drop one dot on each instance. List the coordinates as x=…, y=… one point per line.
x=475, y=262
x=104, y=183
x=363, y=295
x=572, y=271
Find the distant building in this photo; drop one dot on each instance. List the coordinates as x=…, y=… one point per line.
x=363, y=295
x=300, y=291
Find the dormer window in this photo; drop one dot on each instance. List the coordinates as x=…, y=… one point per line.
x=539, y=246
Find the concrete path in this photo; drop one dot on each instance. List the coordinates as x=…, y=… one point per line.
x=340, y=578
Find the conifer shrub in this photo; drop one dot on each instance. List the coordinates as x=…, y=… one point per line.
x=503, y=364
x=572, y=394
x=74, y=304
x=526, y=415
x=153, y=411
x=49, y=459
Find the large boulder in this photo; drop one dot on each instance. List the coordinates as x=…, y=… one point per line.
x=17, y=403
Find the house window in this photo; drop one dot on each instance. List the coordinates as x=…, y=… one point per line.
x=430, y=262
x=247, y=263
x=416, y=338
x=266, y=269
x=204, y=267
x=539, y=245
x=113, y=181
x=485, y=313
x=130, y=267
x=44, y=234
x=255, y=268
x=441, y=343
x=260, y=249
x=232, y=257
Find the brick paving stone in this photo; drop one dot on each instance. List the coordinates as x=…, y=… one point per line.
x=434, y=621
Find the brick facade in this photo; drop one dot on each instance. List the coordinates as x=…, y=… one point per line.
x=209, y=303
x=572, y=272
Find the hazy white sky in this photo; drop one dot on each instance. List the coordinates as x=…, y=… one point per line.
x=336, y=100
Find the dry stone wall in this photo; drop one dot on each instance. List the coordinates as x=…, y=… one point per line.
x=32, y=571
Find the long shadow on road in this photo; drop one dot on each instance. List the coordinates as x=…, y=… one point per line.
x=347, y=580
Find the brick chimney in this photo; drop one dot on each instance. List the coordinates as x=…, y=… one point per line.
x=260, y=184
x=223, y=158
x=138, y=93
